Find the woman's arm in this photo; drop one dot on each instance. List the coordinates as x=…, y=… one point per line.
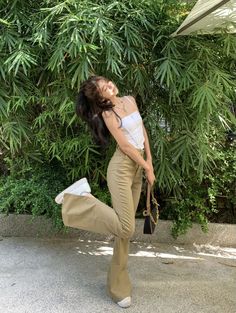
x=150, y=176
x=146, y=142
x=147, y=145
x=113, y=126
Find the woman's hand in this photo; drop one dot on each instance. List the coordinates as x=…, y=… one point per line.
x=150, y=176
x=149, y=172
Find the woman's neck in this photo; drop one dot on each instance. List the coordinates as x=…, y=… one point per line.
x=117, y=101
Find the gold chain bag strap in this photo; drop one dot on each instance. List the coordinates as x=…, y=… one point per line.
x=151, y=212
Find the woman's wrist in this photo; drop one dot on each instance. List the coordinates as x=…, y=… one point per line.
x=147, y=166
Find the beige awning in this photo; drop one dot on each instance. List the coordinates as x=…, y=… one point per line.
x=208, y=16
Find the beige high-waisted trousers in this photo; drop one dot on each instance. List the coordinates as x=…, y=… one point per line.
x=124, y=180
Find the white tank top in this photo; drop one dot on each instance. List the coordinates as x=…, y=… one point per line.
x=133, y=129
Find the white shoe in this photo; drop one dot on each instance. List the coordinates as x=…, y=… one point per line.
x=125, y=303
x=77, y=188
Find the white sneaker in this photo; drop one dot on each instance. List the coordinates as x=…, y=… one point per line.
x=77, y=188
x=125, y=303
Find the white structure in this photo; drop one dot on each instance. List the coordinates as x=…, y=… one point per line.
x=208, y=16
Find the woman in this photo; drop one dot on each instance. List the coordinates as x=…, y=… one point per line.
x=106, y=113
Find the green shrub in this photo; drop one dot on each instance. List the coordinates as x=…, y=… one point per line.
x=199, y=201
x=49, y=47
x=32, y=191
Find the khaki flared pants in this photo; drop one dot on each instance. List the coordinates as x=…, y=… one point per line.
x=124, y=180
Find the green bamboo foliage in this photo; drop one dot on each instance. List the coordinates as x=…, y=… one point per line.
x=48, y=48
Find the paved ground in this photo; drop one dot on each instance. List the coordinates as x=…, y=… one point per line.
x=69, y=276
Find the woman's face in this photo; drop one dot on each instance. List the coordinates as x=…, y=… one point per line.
x=107, y=89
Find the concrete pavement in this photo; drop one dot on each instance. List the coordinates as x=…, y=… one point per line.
x=58, y=275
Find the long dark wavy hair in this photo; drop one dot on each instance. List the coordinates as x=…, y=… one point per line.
x=89, y=107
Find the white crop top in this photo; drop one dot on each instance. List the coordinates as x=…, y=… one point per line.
x=133, y=129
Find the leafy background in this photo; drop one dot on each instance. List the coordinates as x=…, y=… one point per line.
x=184, y=87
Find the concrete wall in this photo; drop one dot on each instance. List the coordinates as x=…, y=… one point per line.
x=21, y=225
